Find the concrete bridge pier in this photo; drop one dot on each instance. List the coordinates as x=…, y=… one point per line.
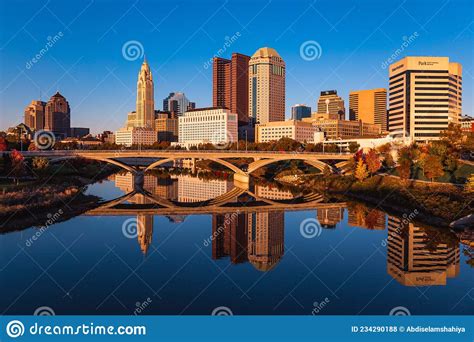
x=241, y=180
x=138, y=180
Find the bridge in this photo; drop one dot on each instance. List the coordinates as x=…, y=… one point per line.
x=259, y=158
x=232, y=201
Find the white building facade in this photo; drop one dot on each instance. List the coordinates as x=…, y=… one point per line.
x=135, y=136
x=217, y=126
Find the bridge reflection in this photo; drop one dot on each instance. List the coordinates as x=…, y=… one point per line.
x=248, y=224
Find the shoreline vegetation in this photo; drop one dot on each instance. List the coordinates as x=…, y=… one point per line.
x=32, y=202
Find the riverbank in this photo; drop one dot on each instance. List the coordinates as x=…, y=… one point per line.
x=57, y=194
x=436, y=204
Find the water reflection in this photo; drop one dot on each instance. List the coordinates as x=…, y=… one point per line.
x=202, y=242
x=416, y=255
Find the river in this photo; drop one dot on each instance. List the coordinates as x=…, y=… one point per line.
x=185, y=245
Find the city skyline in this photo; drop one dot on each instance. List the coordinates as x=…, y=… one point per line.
x=101, y=96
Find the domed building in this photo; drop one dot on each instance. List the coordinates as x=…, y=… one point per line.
x=58, y=116
x=266, y=86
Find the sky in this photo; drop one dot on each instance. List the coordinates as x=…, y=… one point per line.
x=96, y=48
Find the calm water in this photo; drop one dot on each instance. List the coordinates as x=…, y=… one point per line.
x=326, y=259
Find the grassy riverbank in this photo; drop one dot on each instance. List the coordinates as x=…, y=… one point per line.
x=438, y=204
x=57, y=191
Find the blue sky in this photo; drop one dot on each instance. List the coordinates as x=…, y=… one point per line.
x=87, y=66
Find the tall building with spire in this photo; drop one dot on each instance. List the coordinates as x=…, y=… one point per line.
x=145, y=112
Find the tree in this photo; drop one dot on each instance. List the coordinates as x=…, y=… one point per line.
x=40, y=163
x=388, y=161
x=433, y=167
x=3, y=144
x=469, y=187
x=17, y=162
x=353, y=147
x=453, y=136
x=373, y=161
x=361, y=172
x=404, y=168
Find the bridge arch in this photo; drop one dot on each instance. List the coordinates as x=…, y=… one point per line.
x=105, y=160
x=217, y=160
x=264, y=162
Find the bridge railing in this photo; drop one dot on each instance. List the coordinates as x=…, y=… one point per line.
x=138, y=152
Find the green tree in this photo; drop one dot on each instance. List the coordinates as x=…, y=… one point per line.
x=361, y=172
x=433, y=167
x=353, y=147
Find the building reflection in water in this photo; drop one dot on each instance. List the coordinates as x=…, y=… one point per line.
x=328, y=218
x=362, y=216
x=417, y=257
x=254, y=237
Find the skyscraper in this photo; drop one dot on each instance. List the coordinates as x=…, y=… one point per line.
x=34, y=115
x=266, y=239
x=370, y=106
x=300, y=111
x=145, y=112
x=266, y=86
x=425, y=96
x=58, y=116
x=177, y=103
x=416, y=258
x=330, y=103
x=230, y=85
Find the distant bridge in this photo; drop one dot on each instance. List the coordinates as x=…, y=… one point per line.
x=260, y=158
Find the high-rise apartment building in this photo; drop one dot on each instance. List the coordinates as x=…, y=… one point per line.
x=425, y=95
x=330, y=103
x=230, y=85
x=145, y=111
x=266, y=86
x=300, y=111
x=414, y=259
x=370, y=106
x=58, y=116
x=177, y=103
x=34, y=115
